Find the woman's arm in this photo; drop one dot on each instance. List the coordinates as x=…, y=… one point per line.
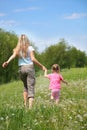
x=10, y=58
x=36, y=61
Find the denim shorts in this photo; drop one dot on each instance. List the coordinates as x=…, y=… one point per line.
x=27, y=75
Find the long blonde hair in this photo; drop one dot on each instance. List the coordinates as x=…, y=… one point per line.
x=22, y=46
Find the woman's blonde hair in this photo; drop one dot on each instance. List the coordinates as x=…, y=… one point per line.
x=23, y=43
x=56, y=67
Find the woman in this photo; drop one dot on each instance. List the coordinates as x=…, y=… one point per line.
x=26, y=58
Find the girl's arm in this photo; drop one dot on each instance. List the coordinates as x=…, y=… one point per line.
x=45, y=73
x=65, y=81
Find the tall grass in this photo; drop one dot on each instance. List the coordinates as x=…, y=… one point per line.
x=69, y=114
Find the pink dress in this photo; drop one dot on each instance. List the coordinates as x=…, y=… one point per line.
x=55, y=81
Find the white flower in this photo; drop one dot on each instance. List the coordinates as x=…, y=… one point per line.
x=1, y=118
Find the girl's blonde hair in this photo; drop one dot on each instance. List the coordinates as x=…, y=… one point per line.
x=56, y=67
x=23, y=43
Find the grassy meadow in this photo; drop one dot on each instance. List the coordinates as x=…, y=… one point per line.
x=69, y=114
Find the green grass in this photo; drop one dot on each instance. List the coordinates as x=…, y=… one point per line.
x=70, y=114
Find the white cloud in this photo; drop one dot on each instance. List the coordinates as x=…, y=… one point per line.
x=7, y=23
x=2, y=14
x=26, y=9
x=39, y=23
x=76, y=16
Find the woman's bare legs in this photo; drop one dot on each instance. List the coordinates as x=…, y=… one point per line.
x=25, y=95
x=31, y=100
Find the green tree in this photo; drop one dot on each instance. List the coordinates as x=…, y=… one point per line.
x=56, y=54
x=8, y=41
x=81, y=59
x=65, y=55
x=71, y=57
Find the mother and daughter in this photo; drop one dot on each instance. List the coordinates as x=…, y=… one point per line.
x=26, y=60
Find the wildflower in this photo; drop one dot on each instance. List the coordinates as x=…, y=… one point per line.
x=85, y=115
x=1, y=118
x=70, y=118
x=13, y=114
x=7, y=117
x=79, y=117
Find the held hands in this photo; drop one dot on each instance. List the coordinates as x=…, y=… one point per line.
x=5, y=64
x=44, y=68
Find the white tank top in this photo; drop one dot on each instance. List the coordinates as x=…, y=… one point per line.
x=25, y=60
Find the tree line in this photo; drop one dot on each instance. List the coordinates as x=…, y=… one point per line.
x=61, y=53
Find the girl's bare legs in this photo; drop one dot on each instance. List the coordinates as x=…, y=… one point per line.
x=31, y=100
x=52, y=97
x=25, y=95
x=57, y=101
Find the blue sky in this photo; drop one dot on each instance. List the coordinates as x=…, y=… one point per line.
x=45, y=22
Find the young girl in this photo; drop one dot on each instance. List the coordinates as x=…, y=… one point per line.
x=55, y=82
x=26, y=60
